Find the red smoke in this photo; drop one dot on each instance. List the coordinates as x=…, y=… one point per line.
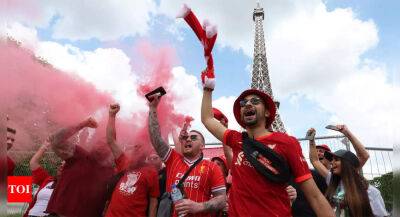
x=40, y=99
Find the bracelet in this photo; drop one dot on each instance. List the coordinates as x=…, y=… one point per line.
x=208, y=89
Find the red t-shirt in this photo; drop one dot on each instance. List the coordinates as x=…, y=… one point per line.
x=131, y=194
x=202, y=181
x=251, y=194
x=81, y=188
x=10, y=166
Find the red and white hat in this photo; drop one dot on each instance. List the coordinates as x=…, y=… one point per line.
x=268, y=102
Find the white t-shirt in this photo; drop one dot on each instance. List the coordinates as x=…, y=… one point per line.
x=374, y=196
x=42, y=200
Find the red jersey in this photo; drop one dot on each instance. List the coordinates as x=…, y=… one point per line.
x=81, y=188
x=201, y=182
x=132, y=192
x=251, y=194
x=10, y=166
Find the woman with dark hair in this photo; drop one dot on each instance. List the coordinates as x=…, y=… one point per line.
x=44, y=180
x=347, y=189
x=348, y=192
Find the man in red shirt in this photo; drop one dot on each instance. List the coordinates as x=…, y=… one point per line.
x=137, y=190
x=81, y=188
x=251, y=193
x=205, y=186
x=10, y=142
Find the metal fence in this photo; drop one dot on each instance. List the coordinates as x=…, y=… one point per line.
x=378, y=164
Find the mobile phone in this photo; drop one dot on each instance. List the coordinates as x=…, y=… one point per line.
x=332, y=127
x=310, y=136
x=159, y=90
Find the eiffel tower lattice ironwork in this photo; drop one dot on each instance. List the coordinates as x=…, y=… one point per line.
x=260, y=76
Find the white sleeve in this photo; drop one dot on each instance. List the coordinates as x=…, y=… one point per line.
x=328, y=178
x=376, y=202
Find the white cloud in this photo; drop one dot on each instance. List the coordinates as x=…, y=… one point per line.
x=82, y=20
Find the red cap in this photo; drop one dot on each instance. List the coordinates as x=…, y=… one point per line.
x=324, y=146
x=219, y=115
x=268, y=102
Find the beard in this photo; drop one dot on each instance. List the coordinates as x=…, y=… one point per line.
x=252, y=122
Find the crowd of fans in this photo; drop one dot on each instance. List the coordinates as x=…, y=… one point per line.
x=262, y=173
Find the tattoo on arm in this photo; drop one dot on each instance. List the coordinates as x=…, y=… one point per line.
x=216, y=203
x=155, y=135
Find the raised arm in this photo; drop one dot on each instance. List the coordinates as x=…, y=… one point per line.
x=111, y=132
x=315, y=198
x=361, y=152
x=177, y=143
x=59, y=143
x=65, y=133
x=322, y=170
x=207, y=116
x=34, y=162
x=157, y=141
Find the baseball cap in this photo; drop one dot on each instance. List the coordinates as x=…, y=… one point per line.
x=345, y=155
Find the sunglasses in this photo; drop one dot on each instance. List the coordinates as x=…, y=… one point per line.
x=253, y=101
x=192, y=137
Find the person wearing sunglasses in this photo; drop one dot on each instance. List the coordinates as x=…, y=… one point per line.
x=255, y=111
x=204, y=187
x=348, y=191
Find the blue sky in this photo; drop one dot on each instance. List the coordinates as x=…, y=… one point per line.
x=321, y=54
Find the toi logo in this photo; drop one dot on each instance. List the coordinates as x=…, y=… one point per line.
x=19, y=189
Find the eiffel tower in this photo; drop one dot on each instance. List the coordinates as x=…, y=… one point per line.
x=260, y=76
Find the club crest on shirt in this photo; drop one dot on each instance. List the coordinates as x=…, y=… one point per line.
x=202, y=168
x=127, y=186
x=241, y=160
